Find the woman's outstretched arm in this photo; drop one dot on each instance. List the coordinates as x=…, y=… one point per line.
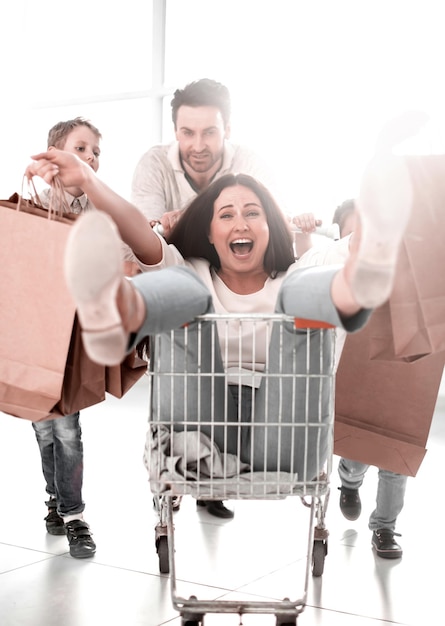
x=133, y=227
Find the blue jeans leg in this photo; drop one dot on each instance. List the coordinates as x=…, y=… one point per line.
x=390, y=492
x=389, y=502
x=296, y=393
x=173, y=298
x=352, y=473
x=61, y=451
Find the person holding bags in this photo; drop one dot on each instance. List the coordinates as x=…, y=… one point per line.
x=60, y=439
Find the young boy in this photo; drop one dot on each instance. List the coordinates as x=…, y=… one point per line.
x=60, y=439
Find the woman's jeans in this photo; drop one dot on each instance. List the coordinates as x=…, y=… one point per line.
x=269, y=439
x=390, y=492
x=61, y=450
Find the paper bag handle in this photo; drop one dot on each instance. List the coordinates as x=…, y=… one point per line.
x=58, y=205
x=32, y=192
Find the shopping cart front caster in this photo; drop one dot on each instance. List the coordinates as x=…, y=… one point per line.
x=162, y=550
x=319, y=553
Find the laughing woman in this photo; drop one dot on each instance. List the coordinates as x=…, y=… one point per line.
x=230, y=252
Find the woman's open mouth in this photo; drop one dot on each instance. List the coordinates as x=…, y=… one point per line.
x=241, y=246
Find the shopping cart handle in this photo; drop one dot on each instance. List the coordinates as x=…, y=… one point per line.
x=158, y=228
x=332, y=231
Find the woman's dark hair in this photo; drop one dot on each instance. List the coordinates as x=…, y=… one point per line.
x=191, y=233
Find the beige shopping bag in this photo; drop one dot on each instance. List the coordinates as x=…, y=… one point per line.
x=384, y=408
x=121, y=378
x=417, y=303
x=36, y=309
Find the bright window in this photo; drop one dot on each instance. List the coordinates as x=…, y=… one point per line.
x=311, y=80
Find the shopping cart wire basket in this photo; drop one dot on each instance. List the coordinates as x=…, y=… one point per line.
x=242, y=407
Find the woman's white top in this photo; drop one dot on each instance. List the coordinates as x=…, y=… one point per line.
x=245, y=351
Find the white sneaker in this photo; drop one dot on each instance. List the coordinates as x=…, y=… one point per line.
x=384, y=207
x=94, y=273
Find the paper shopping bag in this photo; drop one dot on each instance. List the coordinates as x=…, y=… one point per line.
x=381, y=343
x=384, y=408
x=36, y=309
x=417, y=302
x=121, y=378
x=83, y=381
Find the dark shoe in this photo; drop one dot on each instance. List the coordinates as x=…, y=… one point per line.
x=79, y=537
x=384, y=544
x=216, y=508
x=350, y=503
x=54, y=523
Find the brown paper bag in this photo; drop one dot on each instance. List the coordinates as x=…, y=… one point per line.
x=384, y=408
x=390, y=372
x=84, y=380
x=121, y=378
x=417, y=303
x=381, y=343
x=36, y=309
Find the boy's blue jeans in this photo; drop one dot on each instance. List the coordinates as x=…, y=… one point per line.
x=61, y=450
x=390, y=492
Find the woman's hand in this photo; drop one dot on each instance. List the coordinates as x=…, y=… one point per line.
x=70, y=169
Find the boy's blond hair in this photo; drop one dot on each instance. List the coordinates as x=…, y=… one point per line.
x=60, y=131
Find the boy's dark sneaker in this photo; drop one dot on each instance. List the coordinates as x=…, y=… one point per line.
x=350, y=503
x=384, y=544
x=79, y=536
x=54, y=523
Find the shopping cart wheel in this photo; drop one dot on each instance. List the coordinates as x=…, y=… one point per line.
x=162, y=550
x=288, y=621
x=319, y=553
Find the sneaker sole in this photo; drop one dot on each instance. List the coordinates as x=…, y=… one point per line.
x=384, y=205
x=388, y=554
x=80, y=555
x=93, y=272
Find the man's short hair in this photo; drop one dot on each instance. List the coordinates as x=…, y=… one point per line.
x=204, y=92
x=342, y=212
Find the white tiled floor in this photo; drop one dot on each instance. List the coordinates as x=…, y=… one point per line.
x=258, y=555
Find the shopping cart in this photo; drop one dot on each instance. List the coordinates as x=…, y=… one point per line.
x=234, y=432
